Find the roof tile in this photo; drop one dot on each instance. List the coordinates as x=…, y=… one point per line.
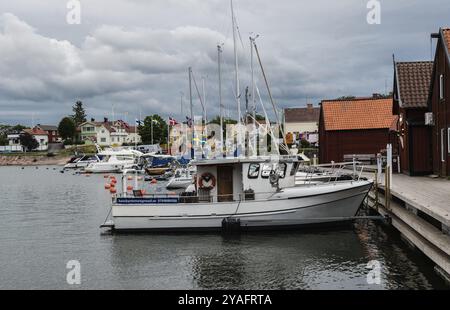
x=360, y=113
x=414, y=82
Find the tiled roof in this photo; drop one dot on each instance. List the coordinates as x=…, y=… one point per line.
x=298, y=115
x=446, y=33
x=414, y=83
x=35, y=131
x=48, y=127
x=359, y=113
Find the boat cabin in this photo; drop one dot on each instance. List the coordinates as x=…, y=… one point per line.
x=234, y=179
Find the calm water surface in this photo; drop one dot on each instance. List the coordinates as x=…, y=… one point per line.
x=48, y=218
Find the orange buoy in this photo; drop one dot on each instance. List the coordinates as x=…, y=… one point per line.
x=153, y=181
x=130, y=178
x=107, y=186
x=129, y=188
x=142, y=191
x=112, y=190
x=113, y=181
x=112, y=184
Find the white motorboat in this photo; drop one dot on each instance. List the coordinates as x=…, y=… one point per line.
x=82, y=161
x=251, y=193
x=182, y=178
x=114, y=161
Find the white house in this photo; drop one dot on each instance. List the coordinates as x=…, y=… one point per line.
x=108, y=133
x=40, y=136
x=303, y=123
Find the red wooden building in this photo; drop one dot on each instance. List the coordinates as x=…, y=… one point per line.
x=354, y=126
x=411, y=86
x=439, y=104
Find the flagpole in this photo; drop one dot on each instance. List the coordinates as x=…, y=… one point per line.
x=151, y=127
x=168, y=136
x=135, y=135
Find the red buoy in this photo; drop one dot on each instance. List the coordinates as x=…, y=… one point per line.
x=112, y=190
x=129, y=188
x=107, y=186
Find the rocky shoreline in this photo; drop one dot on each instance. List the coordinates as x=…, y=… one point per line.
x=39, y=160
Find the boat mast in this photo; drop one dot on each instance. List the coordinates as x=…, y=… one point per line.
x=236, y=71
x=192, y=113
x=219, y=52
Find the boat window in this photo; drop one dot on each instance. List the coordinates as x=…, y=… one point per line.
x=253, y=171
x=294, y=168
x=281, y=169
x=266, y=168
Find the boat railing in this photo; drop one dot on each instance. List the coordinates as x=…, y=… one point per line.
x=332, y=172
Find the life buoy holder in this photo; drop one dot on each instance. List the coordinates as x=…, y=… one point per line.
x=207, y=181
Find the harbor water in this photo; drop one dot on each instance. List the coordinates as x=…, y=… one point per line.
x=48, y=218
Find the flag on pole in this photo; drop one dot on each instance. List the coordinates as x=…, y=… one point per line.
x=189, y=121
x=139, y=122
x=172, y=121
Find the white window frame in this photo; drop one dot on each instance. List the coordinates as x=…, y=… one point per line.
x=441, y=87
x=448, y=140
x=442, y=144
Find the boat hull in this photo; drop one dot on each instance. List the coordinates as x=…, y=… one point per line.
x=282, y=210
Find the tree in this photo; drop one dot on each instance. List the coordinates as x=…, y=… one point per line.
x=3, y=139
x=79, y=115
x=159, y=130
x=28, y=141
x=67, y=128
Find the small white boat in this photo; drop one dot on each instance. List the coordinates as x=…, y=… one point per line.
x=114, y=161
x=82, y=161
x=251, y=193
x=182, y=178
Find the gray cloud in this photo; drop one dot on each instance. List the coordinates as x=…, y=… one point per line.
x=134, y=55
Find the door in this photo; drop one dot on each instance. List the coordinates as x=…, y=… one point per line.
x=225, y=183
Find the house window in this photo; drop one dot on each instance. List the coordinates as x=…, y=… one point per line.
x=102, y=139
x=441, y=87
x=442, y=145
x=253, y=171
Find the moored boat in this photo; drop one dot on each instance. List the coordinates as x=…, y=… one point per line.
x=254, y=193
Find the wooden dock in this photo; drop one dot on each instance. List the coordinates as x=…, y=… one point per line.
x=419, y=208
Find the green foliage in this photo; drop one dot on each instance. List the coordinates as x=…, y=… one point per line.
x=28, y=141
x=259, y=117
x=159, y=130
x=3, y=139
x=67, y=128
x=304, y=144
x=79, y=115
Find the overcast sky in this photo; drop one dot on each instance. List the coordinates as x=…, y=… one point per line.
x=134, y=54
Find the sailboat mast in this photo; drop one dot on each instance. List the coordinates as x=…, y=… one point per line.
x=253, y=80
x=236, y=64
x=192, y=112
x=219, y=52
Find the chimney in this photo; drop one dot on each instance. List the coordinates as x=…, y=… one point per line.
x=309, y=105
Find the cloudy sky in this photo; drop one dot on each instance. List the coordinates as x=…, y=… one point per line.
x=134, y=54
